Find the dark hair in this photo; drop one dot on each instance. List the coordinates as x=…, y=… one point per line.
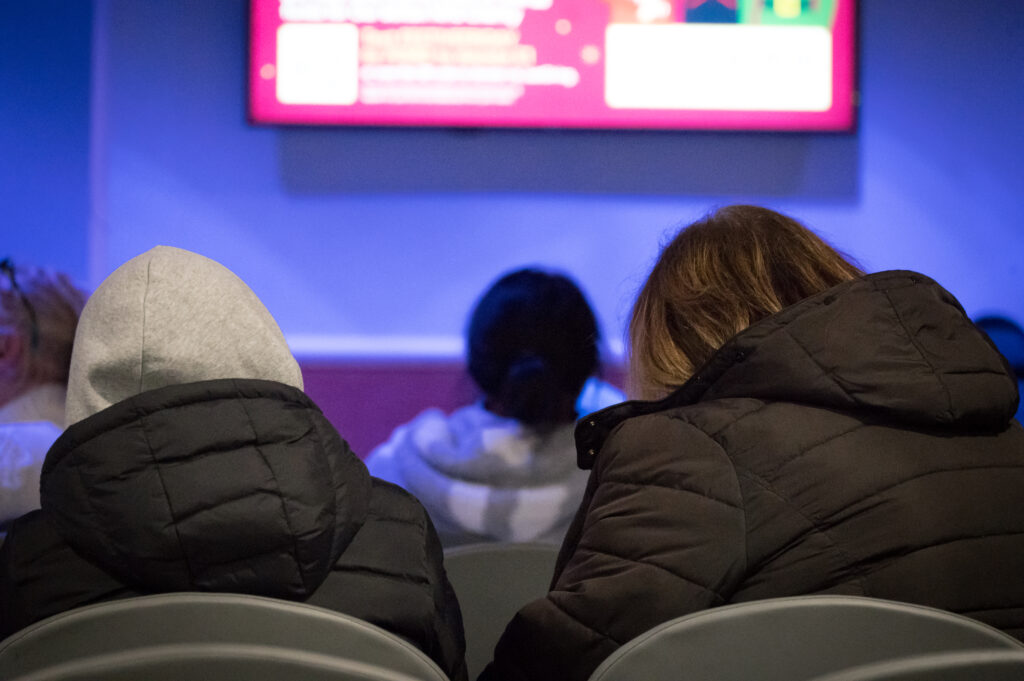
x=718, y=276
x=1008, y=338
x=532, y=343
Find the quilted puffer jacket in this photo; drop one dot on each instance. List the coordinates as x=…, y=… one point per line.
x=859, y=442
x=195, y=462
x=228, y=485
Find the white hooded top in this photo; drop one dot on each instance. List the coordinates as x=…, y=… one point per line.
x=29, y=424
x=484, y=477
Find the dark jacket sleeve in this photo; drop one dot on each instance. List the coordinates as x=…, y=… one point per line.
x=661, y=535
x=392, y=575
x=40, y=576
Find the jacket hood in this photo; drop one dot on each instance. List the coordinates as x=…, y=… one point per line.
x=226, y=485
x=169, y=317
x=484, y=475
x=476, y=445
x=893, y=344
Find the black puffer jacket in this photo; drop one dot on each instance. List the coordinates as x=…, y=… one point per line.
x=859, y=442
x=227, y=485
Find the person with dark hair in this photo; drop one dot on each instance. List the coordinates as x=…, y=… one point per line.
x=804, y=428
x=1008, y=338
x=193, y=461
x=39, y=311
x=504, y=469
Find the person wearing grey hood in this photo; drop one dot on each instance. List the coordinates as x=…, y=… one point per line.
x=193, y=461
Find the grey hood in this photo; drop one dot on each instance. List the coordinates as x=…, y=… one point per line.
x=193, y=460
x=168, y=317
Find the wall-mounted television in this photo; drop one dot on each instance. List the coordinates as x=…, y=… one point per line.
x=629, y=64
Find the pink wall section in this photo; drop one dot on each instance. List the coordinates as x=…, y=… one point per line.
x=366, y=400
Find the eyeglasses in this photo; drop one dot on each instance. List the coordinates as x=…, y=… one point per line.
x=7, y=267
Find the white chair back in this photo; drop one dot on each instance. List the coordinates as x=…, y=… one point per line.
x=988, y=665
x=492, y=582
x=213, y=662
x=208, y=618
x=794, y=639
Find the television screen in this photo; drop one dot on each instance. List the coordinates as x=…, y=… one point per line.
x=662, y=64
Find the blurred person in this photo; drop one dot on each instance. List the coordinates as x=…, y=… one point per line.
x=1008, y=338
x=193, y=461
x=504, y=468
x=803, y=428
x=39, y=310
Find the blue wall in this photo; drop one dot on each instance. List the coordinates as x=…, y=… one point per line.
x=44, y=132
x=378, y=240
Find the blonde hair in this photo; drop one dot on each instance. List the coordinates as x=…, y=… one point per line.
x=718, y=276
x=44, y=309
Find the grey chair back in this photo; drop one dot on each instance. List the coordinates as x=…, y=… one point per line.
x=994, y=665
x=208, y=618
x=492, y=582
x=213, y=662
x=794, y=639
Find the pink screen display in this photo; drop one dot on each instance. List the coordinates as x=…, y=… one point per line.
x=664, y=64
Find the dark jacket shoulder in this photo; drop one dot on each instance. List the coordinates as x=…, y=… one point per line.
x=41, y=575
x=392, y=575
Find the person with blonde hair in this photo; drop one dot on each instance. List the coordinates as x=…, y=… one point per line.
x=39, y=311
x=804, y=428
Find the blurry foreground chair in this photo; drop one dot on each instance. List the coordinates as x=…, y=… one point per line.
x=988, y=665
x=492, y=582
x=794, y=639
x=214, y=663
x=123, y=626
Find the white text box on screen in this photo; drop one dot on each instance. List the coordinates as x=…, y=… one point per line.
x=317, y=64
x=718, y=67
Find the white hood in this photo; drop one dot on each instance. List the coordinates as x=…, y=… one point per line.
x=167, y=317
